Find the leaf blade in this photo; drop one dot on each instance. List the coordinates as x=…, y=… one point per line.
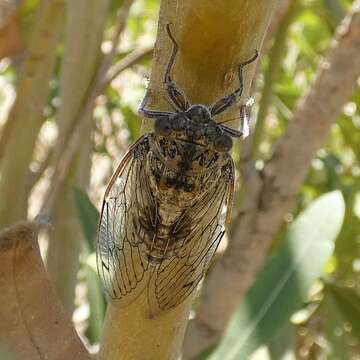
x=88, y=215
x=278, y=290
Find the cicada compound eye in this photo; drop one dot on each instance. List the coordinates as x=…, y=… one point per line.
x=162, y=127
x=223, y=143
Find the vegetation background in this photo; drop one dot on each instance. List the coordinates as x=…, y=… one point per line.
x=68, y=113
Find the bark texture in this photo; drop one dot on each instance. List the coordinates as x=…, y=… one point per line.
x=269, y=195
x=214, y=37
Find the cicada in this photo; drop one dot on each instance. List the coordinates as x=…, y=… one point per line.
x=167, y=205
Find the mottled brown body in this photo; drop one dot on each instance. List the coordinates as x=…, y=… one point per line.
x=166, y=207
x=162, y=224
x=176, y=188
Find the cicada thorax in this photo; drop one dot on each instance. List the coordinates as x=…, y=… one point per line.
x=182, y=171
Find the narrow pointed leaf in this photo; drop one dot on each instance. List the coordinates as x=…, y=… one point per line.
x=336, y=337
x=88, y=215
x=285, y=281
x=348, y=302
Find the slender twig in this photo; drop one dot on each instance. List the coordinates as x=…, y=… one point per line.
x=63, y=161
x=108, y=59
x=277, y=19
x=35, y=176
x=128, y=61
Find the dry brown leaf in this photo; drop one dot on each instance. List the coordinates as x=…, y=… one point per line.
x=33, y=324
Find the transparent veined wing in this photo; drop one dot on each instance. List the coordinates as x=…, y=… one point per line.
x=121, y=253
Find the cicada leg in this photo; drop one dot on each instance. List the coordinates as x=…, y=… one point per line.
x=229, y=100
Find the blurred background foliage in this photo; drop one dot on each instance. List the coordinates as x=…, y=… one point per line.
x=325, y=324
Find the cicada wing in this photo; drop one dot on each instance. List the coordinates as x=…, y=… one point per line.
x=121, y=256
x=177, y=277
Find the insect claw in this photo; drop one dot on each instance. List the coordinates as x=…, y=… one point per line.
x=168, y=30
x=252, y=59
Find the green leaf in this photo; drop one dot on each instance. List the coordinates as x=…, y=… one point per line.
x=337, y=339
x=336, y=11
x=88, y=215
x=348, y=302
x=97, y=300
x=133, y=122
x=283, y=345
x=285, y=281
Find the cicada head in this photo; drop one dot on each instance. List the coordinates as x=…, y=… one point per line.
x=197, y=126
x=199, y=114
